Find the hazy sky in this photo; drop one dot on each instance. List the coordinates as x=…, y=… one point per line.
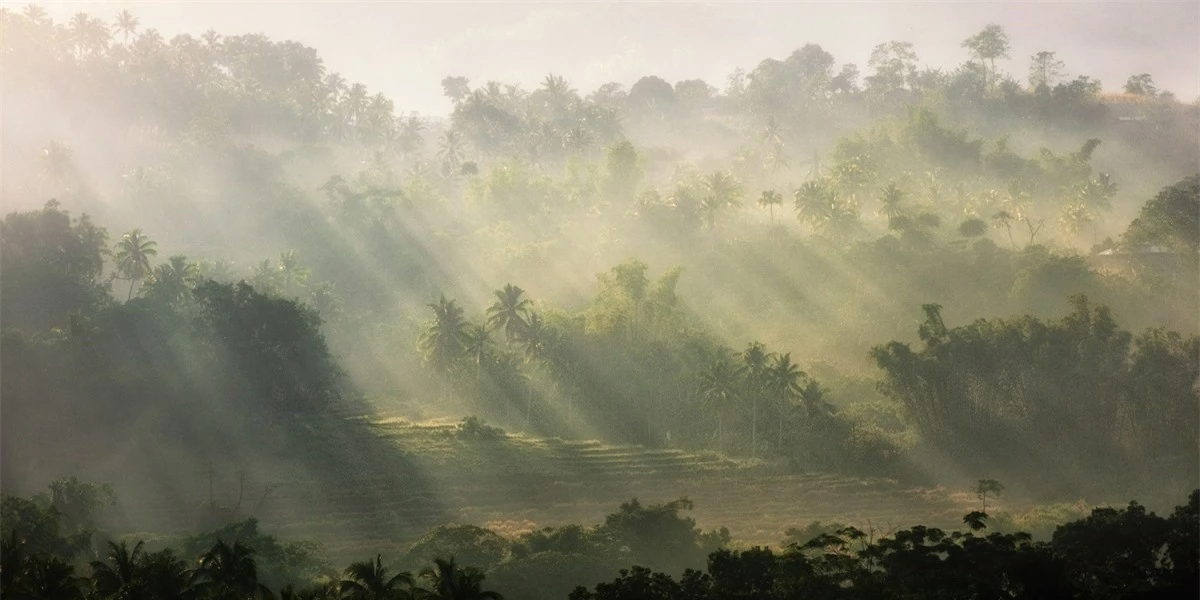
x=405, y=48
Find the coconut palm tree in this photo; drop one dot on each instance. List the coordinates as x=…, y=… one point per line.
x=48, y=577
x=891, y=201
x=814, y=200
x=444, y=339
x=718, y=389
x=228, y=572
x=291, y=272
x=755, y=358
x=478, y=345
x=784, y=379
x=540, y=340
x=769, y=200
x=448, y=581
x=171, y=281
x=211, y=39
x=509, y=311
x=126, y=24
x=370, y=580
x=1074, y=217
x=133, y=254
x=450, y=152
x=265, y=277
x=722, y=189
x=35, y=13
x=77, y=32
x=120, y=575
x=165, y=576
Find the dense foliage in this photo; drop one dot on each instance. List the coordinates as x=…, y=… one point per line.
x=51, y=550
x=274, y=255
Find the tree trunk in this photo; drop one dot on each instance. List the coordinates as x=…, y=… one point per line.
x=754, y=427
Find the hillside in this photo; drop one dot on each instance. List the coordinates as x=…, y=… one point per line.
x=517, y=483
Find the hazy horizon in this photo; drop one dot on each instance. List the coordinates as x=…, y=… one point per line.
x=520, y=42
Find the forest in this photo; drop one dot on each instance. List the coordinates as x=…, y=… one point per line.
x=257, y=320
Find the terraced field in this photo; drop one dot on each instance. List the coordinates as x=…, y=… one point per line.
x=516, y=483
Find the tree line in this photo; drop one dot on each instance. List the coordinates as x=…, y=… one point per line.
x=50, y=540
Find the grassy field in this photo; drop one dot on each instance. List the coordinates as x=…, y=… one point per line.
x=516, y=483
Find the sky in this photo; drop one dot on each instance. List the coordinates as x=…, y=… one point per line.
x=404, y=49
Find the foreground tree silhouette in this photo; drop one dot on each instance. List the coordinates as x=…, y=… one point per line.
x=117, y=576
x=229, y=573
x=449, y=581
x=370, y=580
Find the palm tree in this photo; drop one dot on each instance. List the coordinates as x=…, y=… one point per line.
x=171, y=281
x=165, y=577
x=755, y=357
x=813, y=202
x=229, y=572
x=444, y=340
x=783, y=380
x=771, y=133
x=1074, y=217
x=450, y=152
x=891, y=201
x=370, y=580
x=291, y=271
x=126, y=24
x=539, y=340
x=35, y=13
x=448, y=581
x=211, y=39
x=722, y=189
x=478, y=344
x=119, y=576
x=49, y=577
x=133, y=254
x=77, y=32
x=509, y=312
x=265, y=277
x=769, y=200
x=557, y=91
x=718, y=389
x=355, y=103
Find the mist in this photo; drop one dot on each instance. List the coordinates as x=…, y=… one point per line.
x=417, y=280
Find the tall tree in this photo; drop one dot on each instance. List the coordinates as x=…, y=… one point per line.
x=133, y=254
x=986, y=46
x=719, y=383
x=126, y=24
x=171, y=281
x=1141, y=85
x=444, y=339
x=769, y=200
x=784, y=379
x=509, y=312
x=756, y=361
x=1045, y=70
